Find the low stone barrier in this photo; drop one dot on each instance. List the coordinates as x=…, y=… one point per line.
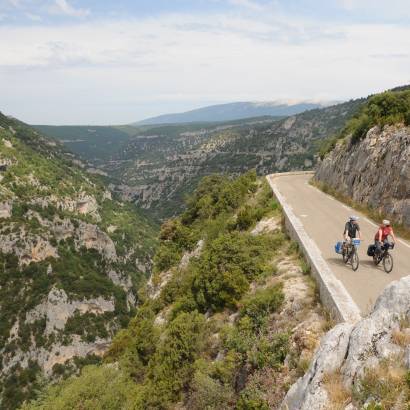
x=333, y=294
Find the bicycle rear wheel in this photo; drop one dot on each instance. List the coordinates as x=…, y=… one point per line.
x=388, y=263
x=355, y=260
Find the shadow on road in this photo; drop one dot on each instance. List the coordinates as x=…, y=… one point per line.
x=336, y=261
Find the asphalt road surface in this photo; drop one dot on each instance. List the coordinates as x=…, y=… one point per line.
x=324, y=218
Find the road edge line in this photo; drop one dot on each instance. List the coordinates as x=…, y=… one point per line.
x=333, y=294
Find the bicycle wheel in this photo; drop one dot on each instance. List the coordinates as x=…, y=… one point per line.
x=355, y=260
x=376, y=259
x=388, y=263
x=345, y=254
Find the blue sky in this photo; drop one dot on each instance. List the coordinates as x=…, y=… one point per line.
x=108, y=62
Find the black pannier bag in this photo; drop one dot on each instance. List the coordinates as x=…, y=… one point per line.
x=370, y=250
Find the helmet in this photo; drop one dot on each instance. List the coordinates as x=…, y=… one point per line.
x=354, y=218
x=386, y=222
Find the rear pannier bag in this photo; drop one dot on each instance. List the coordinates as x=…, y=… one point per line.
x=338, y=247
x=370, y=250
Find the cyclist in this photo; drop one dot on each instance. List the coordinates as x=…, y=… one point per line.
x=352, y=229
x=385, y=230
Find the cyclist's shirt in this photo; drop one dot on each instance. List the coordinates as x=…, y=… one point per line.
x=352, y=229
x=386, y=231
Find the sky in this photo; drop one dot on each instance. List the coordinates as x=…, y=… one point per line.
x=119, y=61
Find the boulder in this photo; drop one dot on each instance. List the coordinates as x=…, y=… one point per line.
x=351, y=349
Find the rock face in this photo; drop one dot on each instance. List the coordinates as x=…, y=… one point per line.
x=352, y=349
x=374, y=172
x=57, y=309
x=67, y=282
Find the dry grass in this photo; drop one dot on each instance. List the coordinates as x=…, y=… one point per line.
x=401, y=338
x=329, y=322
x=339, y=395
x=386, y=384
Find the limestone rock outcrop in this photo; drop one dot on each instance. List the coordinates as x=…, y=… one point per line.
x=352, y=349
x=374, y=172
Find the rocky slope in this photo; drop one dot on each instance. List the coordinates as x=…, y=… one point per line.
x=374, y=172
x=230, y=320
x=366, y=365
x=371, y=162
x=72, y=261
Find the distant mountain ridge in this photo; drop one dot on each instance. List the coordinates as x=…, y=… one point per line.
x=234, y=111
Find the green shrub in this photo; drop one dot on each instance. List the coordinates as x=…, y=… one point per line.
x=269, y=351
x=99, y=387
x=168, y=255
x=208, y=393
x=251, y=398
x=171, y=366
x=259, y=305
x=226, y=267
x=388, y=108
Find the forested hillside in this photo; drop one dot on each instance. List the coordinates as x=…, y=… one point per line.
x=72, y=262
x=230, y=318
x=158, y=165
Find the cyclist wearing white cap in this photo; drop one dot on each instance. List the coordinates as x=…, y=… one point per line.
x=352, y=228
x=385, y=230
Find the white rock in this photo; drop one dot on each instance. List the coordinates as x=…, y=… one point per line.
x=351, y=349
x=308, y=392
x=7, y=143
x=57, y=309
x=5, y=210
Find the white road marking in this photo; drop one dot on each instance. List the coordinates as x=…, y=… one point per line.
x=404, y=243
x=303, y=216
x=370, y=222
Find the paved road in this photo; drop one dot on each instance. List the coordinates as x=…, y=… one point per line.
x=323, y=218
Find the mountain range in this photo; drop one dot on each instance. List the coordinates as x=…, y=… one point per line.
x=234, y=111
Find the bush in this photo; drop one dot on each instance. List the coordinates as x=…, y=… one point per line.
x=252, y=399
x=259, y=305
x=226, y=267
x=208, y=393
x=248, y=216
x=89, y=391
x=171, y=366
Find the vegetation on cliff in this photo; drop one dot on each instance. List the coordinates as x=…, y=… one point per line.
x=217, y=322
x=64, y=244
x=388, y=108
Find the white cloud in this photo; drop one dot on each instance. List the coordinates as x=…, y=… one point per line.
x=120, y=71
x=250, y=4
x=14, y=3
x=64, y=7
x=380, y=8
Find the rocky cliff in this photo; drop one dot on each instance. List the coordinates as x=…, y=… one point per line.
x=374, y=171
x=366, y=365
x=369, y=160
x=72, y=260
